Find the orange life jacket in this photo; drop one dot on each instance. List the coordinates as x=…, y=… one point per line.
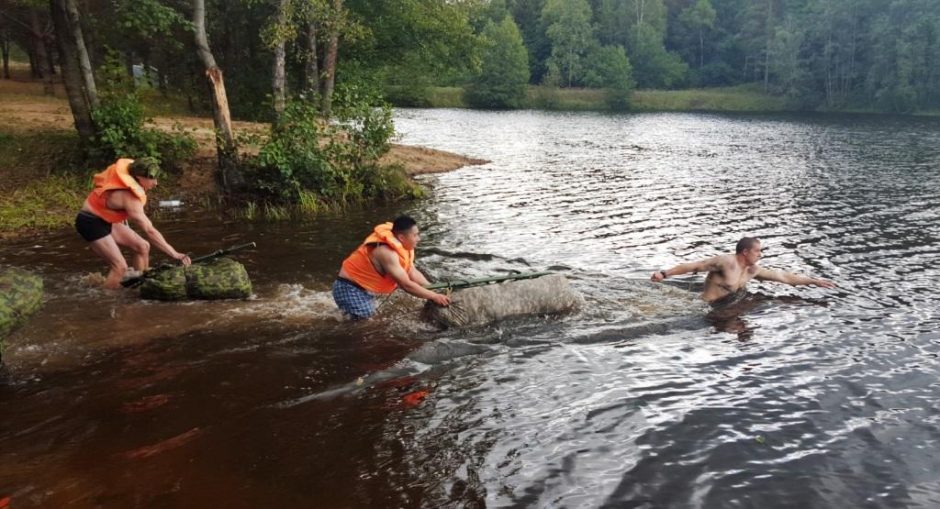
x=114, y=178
x=358, y=265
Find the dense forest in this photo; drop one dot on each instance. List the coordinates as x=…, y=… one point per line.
x=826, y=54
x=820, y=54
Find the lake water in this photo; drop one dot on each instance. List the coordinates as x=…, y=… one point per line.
x=802, y=397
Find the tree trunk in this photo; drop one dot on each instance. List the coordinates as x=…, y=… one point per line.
x=34, y=71
x=146, y=75
x=769, y=31
x=640, y=7
x=71, y=73
x=163, y=80
x=42, y=55
x=311, y=73
x=278, y=79
x=227, y=149
x=5, y=50
x=329, y=61
x=129, y=65
x=279, y=74
x=701, y=49
x=88, y=77
x=35, y=41
x=49, y=85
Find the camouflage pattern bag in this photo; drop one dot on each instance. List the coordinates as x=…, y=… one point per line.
x=169, y=284
x=222, y=278
x=20, y=296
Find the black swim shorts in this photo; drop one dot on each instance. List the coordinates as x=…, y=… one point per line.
x=91, y=227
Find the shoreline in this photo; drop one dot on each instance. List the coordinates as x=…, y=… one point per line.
x=37, y=138
x=735, y=99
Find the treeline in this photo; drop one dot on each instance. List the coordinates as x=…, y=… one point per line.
x=820, y=54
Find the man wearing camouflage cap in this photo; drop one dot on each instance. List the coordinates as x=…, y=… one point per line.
x=120, y=194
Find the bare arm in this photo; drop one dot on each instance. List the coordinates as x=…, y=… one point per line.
x=388, y=259
x=791, y=279
x=135, y=212
x=418, y=277
x=713, y=264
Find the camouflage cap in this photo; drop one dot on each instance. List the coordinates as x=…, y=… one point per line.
x=147, y=167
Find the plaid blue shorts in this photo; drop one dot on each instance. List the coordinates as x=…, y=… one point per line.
x=353, y=300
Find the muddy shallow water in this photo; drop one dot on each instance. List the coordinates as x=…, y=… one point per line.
x=815, y=397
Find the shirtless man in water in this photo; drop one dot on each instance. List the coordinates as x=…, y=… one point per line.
x=728, y=274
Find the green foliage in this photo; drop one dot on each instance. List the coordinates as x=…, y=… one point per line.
x=146, y=19
x=698, y=19
x=309, y=162
x=904, y=74
x=699, y=16
x=792, y=79
x=415, y=43
x=120, y=124
x=571, y=34
x=121, y=131
x=653, y=66
x=406, y=84
x=505, y=70
x=611, y=69
x=489, y=11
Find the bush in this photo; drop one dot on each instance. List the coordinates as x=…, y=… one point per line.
x=610, y=69
x=307, y=158
x=408, y=96
x=505, y=68
x=120, y=123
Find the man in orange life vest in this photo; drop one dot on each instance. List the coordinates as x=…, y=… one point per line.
x=120, y=194
x=383, y=262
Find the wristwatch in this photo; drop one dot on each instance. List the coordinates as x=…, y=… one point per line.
x=663, y=272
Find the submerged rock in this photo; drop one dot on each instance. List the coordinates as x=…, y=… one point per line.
x=222, y=278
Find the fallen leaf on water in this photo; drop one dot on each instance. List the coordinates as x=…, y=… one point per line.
x=415, y=398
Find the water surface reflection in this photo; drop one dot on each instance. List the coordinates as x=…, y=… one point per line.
x=801, y=396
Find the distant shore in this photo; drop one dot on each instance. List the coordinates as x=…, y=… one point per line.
x=741, y=98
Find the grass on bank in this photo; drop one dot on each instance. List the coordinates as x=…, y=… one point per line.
x=745, y=98
x=42, y=204
x=740, y=98
x=41, y=189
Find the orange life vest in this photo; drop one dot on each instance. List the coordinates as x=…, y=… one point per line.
x=360, y=269
x=114, y=178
